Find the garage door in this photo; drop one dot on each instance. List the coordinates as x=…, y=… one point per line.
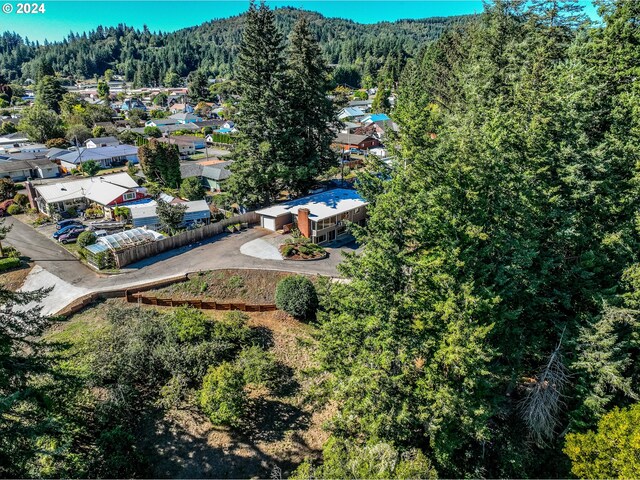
x=269, y=223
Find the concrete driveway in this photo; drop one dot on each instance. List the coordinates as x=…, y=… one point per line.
x=63, y=271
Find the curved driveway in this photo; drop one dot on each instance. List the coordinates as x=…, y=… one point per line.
x=220, y=252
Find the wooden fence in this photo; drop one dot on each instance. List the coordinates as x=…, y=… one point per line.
x=200, y=304
x=140, y=252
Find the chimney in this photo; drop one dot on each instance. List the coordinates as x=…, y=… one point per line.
x=31, y=194
x=304, y=224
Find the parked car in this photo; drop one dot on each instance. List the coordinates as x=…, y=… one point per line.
x=66, y=229
x=66, y=223
x=71, y=236
x=101, y=233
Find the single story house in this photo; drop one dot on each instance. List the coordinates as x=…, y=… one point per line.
x=102, y=142
x=132, y=104
x=184, y=148
x=351, y=113
x=108, y=191
x=105, y=156
x=165, y=129
x=376, y=118
x=13, y=139
x=321, y=217
x=363, y=142
x=144, y=214
x=160, y=122
x=184, y=117
x=21, y=170
x=197, y=142
x=181, y=108
x=364, y=105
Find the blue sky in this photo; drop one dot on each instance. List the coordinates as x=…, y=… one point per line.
x=61, y=17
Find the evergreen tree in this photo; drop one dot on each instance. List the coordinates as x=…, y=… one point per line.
x=198, y=87
x=312, y=116
x=49, y=93
x=257, y=169
x=160, y=162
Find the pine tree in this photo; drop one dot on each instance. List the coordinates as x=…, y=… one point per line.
x=257, y=170
x=312, y=116
x=49, y=93
x=198, y=87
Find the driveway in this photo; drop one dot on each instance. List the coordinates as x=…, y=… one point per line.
x=63, y=271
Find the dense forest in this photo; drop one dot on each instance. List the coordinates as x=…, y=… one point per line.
x=145, y=57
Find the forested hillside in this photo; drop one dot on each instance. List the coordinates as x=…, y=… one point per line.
x=144, y=57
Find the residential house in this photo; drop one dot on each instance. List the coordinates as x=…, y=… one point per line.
x=363, y=142
x=108, y=191
x=364, y=105
x=165, y=129
x=14, y=139
x=106, y=157
x=181, y=108
x=102, y=142
x=185, y=148
x=144, y=214
x=55, y=153
x=132, y=104
x=351, y=113
x=186, y=117
x=321, y=217
x=21, y=170
x=214, y=176
x=160, y=122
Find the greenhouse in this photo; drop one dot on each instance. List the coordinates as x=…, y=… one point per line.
x=100, y=254
x=129, y=238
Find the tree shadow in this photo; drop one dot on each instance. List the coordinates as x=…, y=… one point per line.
x=205, y=451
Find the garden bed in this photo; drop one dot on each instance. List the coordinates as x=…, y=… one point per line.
x=302, y=251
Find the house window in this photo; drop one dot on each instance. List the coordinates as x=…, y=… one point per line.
x=129, y=196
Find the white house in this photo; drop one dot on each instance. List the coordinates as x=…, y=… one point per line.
x=108, y=191
x=102, y=142
x=321, y=217
x=351, y=113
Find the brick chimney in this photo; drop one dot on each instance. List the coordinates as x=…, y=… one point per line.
x=31, y=194
x=304, y=224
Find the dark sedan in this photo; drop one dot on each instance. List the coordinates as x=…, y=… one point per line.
x=71, y=236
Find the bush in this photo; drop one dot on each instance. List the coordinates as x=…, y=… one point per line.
x=9, y=263
x=72, y=212
x=41, y=219
x=21, y=199
x=86, y=238
x=288, y=250
x=11, y=252
x=93, y=213
x=258, y=367
x=14, y=209
x=189, y=324
x=222, y=396
x=297, y=296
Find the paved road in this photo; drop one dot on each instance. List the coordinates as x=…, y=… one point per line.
x=46, y=253
x=219, y=252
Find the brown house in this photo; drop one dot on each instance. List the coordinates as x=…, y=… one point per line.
x=363, y=142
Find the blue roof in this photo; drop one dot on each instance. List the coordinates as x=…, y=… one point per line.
x=377, y=117
x=224, y=130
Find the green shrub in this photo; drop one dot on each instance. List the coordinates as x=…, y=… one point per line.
x=232, y=328
x=288, y=250
x=189, y=324
x=11, y=252
x=93, y=213
x=9, y=263
x=14, y=209
x=258, y=367
x=222, y=396
x=86, y=238
x=297, y=296
x=41, y=219
x=21, y=199
x=72, y=212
